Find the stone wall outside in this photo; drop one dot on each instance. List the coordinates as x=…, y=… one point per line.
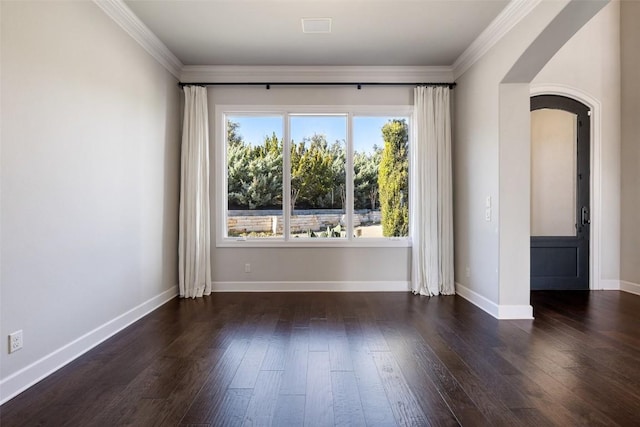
x=240, y=222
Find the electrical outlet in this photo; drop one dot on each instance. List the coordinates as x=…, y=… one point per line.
x=247, y=268
x=15, y=341
x=467, y=272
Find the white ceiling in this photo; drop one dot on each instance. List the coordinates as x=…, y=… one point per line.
x=364, y=32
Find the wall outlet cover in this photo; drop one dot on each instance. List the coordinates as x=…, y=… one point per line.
x=15, y=341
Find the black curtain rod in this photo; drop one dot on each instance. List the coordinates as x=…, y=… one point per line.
x=268, y=85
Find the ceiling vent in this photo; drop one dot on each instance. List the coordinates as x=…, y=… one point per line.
x=316, y=25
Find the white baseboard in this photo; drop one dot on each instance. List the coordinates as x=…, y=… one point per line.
x=312, y=286
x=608, y=285
x=514, y=312
x=502, y=312
x=632, y=288
x=38, y=370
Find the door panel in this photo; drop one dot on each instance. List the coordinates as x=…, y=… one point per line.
x=558, y=264
x=560, y=132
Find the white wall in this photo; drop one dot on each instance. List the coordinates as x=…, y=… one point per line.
x=476, y=156
x=491, y=157
x=388, y=266
x=630, y=156
x=590, y=63
x=89, y=183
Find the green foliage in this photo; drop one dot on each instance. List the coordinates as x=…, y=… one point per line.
x=365, y=179
x=336, y=231
x=318, y=173
x=254, y=174
x=232, y=134
x=339, y=174
x=393, y=179
x=313, y=172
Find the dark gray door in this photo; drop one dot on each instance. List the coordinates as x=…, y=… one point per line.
x=560, y=132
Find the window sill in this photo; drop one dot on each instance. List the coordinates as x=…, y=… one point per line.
x=315, y=243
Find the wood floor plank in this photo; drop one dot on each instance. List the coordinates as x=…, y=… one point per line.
x=247, y=373
x=262, y=407
x=202, y=333
x=289, y=410
x=462, y=406
x=374, y=359
x=57, y=391
x=579, y=410
x=371, y=332
x=232, y=409
x=294, y=378
x=340, y=354
x=483, y=397
x=210, y=397
x=318, y=409
x=490, y=369
x=373, y=398
x=318, y=335
x=275, y=357
x=435, y=407
x=404, y=405
x=302, y=312
x=188, y=386
x=147, y=412
x=346, y=399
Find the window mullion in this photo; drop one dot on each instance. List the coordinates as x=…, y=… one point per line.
x=349, y=178
x=286, y=177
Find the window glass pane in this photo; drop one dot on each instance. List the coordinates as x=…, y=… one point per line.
x=381, y=176
x=553, y=172
x=254, y=176
x=318, y=176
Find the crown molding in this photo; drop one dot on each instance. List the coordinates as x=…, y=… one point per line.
x=331, y=74
x=499, y=27
x=123, y=16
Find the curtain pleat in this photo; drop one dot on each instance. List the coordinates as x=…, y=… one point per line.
x=194, y=249
x=432, y=212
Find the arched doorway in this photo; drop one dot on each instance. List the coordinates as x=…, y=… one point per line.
x=560, y=193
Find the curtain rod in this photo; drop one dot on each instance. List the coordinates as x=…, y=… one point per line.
x=268, y=85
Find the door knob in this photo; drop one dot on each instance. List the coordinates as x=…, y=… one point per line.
x=585, y=216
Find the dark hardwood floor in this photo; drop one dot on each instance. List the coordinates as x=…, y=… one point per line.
x=353, y=359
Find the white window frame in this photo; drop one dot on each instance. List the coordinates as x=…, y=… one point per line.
x=221, y=174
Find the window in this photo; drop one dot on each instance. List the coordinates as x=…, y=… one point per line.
x=254, y=172
x=322, y=177
x=381, y=176
x=318, y=178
